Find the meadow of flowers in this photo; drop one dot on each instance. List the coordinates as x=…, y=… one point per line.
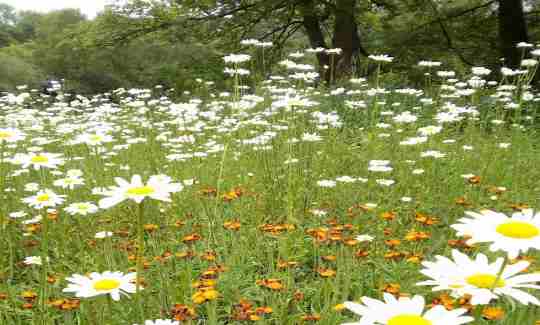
x=277, y=202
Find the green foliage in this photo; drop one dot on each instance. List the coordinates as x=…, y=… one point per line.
x=141, y=43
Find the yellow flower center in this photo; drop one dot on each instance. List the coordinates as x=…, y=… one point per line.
x=39, y=159
x=96, y=138
x=5, y=135
x=518, y=230
x=144, y=190
x=43, y=197
x=484, y=281
x=408, y=320
x=106, y=284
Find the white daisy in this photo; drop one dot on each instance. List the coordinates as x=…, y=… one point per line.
x=39, y=160
x=32, y=260
x=94, y=139
x=363, y=238
x=113, y=283
x=161, y=322
x=404, y=311
x=81, y=208
x=44, y=198
x=477, y=278
x=158, y=188
x=513, y=235
x=103, y=234
x=11, y=135
x=69, y=182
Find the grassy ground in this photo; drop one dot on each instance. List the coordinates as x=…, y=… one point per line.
x=265, y=226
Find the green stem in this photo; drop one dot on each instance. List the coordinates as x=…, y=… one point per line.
x=44, y=267
x=140, y=255
x=499, y=275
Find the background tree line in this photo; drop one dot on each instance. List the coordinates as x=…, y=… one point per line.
x=173, y=42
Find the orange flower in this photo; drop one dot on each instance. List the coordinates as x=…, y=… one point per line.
x=191, y=238
x=65, y=304
x=209, y=191
x=339, y=307
x=273, y=284
x=392, y=288
x=276, y=229
x=361, y=253
x=313, y=317
x=204, y=295
x=493, y=313
x=519, y=206
x=186, y=254
x=286, y=264
x=392, y=242
x=414, y=258
x=417, y=235
x=474, y=180
x=329, y=258
x=205, y=283
x=29, y=295
x=463, y=201
x=389, y=215
x=425, y=219
x=232, y=225
x=150, y=227
x=209, y=256
x=393, y=255
x=182, y=312
x=326, y=273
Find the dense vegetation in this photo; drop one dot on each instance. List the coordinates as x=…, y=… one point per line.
x=143, y=43
x=224, y=163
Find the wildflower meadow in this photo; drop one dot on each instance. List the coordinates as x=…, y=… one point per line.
x=277, y=200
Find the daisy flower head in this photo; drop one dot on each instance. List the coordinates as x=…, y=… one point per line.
x=32, y=260
x=103, y=234
x=404, y=311
x=81, y=208
x=41, y=160
x=161, y=322
x=236, y=58
x=479, y=278
x=514, y=234
x=69, y=182
x=158, y=188
x=94, y=139
x=44, y=199
x=11, y=135
x=96, y=284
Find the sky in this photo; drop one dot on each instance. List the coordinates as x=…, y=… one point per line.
x=88, y=7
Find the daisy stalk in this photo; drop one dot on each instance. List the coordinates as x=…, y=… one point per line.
x=140, y=252
x=158, y=188
x=499, y=275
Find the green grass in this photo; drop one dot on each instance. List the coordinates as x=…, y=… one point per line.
x=268, y=191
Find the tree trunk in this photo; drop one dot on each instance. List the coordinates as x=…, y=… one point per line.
x=315, y=35
x=345, y=36
x=512, y=30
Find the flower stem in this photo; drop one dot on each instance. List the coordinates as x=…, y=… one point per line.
x=499, y=275
x=44, y=266
x=140, y=254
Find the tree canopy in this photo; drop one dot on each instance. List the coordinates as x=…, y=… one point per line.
x=143, y=43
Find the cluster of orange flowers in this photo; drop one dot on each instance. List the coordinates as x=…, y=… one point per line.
x=272, y=284
x=183, y=312
x=206, y=285
x=276, y=229
x=245, y=311
x=65, y=304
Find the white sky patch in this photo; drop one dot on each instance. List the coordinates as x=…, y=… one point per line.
x=90, y=8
